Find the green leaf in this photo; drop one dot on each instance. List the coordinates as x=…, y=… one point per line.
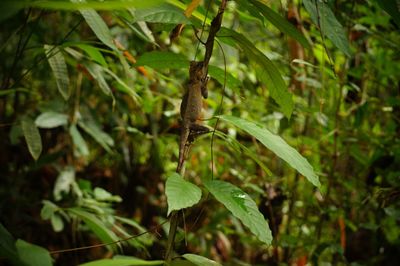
x=181, y=193
x=57, y=223
x=51, y=120
x=96, y=225
x=277, y=145
x=281, y=23
x=266, y=70
x=200, y=260
x=48, y=209
x=165, y=13
x=242, y=207
x=64, y=182
x=323, y=17
x=92, y=52
x=79, y=143
x=163, y=60
x=99, y=135
x=97, y=73
x=219, y=74
x=12, y=5
x=7, y=246
x=32, y=137
x=122, y=262
x=98, y=26
x=59, y=67
x=392, y=7
x=33, y=255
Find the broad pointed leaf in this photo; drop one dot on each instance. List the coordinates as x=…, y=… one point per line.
x=277, y=145
x=165, y=13
x=33, y=255
x=181, y=193
x=51, y=120
x=242, y=207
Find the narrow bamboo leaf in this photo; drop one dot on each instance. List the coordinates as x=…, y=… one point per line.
x=163, y=60
x=93, y=53
x=181, y=193
x=278, y=146
x=33, y=255
x=99, y=135
x=13, y=5
x=330, y=27
x=123, y=262
x=59, y=67
x=32, y=137
x=266, y=70
x=98, y=26
x=242, y=207
x=51, y=120
x=97, y=73
x=392, y=7
x=281, y=23
x=165, y=13
x=200, y=260
x=96, y=225
x=79, y=142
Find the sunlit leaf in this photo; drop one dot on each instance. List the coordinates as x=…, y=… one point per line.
x=242, y=207
x=59, y=67
x=51, y=120
x=68, y=5
x=123, y=262
x=92, y=52
x=163, y=60
x=277, y=145
x=33, y=255
x=32, y=137
x=57, y=223
x=266, y=70
x=64, y=182
x=181, y=193
x=323, y=17
x=200, y=260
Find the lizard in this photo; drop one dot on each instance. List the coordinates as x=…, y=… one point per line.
x=191, y=105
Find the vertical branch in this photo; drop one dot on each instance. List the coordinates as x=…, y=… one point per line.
x=209, y=45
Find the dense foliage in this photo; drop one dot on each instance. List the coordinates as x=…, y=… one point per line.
x=303, y=166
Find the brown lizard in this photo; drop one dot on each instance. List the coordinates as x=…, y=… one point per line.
x=191, y=105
